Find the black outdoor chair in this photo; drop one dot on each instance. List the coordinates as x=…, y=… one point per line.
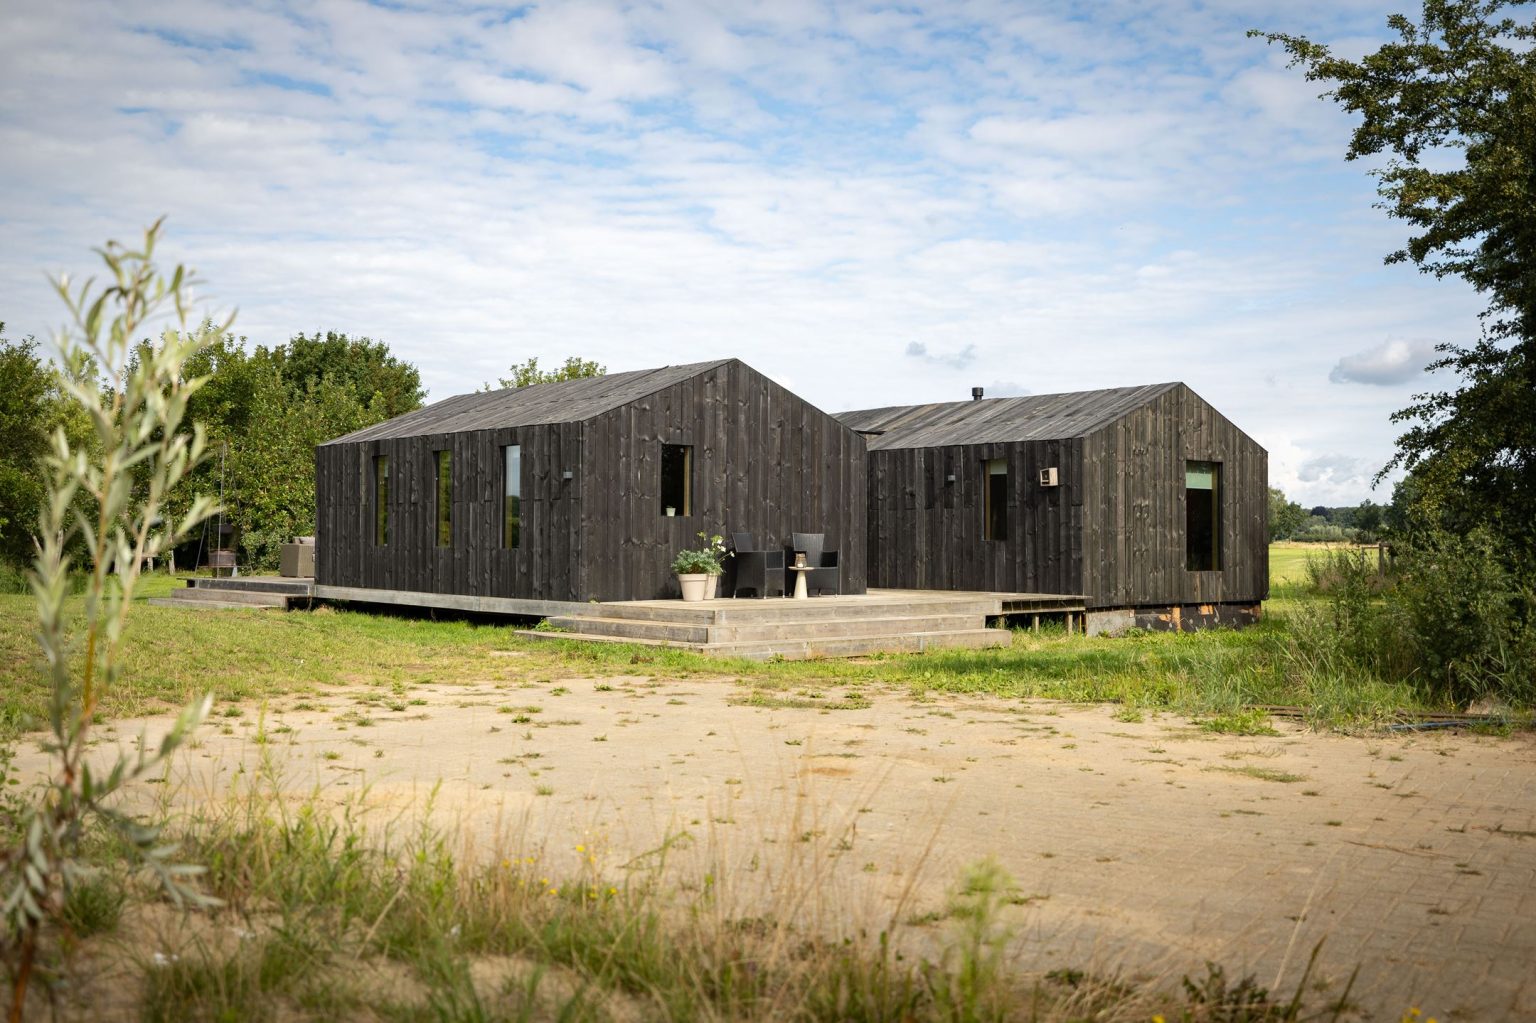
x=756, y=570
x=823, y=577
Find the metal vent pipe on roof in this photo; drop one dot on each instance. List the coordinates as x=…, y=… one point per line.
x=976, y=393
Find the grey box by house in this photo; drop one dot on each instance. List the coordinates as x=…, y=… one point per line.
x=298, y=558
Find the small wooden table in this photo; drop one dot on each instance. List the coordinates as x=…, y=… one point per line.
x=800, y=591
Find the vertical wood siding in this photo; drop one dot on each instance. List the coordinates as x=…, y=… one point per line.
x=926, y=533
x=1113, y=530
x=1139, y=464
x=764, y=461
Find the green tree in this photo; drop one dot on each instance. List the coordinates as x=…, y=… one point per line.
x=26, y=391
x=1368, y=517
x=266, y=409
x=1452, y=103
x=364, y=367
x=1286, y=517
x=32, y=406
x=528, y=373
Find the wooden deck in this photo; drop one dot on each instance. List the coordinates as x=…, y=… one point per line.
x=881, y=621
x=842, y=626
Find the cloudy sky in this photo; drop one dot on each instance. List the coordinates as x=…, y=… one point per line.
x=872, y=203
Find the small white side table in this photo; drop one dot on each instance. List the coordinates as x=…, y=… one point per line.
x=800, y=590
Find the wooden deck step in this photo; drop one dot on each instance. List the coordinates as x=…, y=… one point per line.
x=776, y=629
x=908, y=643
x=733, y=612
x=214, y=605
x=254, y=584
x=793, y=650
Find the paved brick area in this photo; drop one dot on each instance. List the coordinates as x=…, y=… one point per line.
x=1139, y=848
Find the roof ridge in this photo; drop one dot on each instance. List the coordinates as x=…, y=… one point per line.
x=533, y=404
x=1012, y=418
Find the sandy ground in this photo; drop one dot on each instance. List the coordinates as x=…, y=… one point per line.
x=1144, y=847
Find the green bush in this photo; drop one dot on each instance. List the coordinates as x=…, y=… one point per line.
x=1450, y=617
x=1325, y=533
x=1470, y=620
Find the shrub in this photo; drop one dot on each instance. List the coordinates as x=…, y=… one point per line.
x=137, y=456
x=1470, y=620
x=1450, y=617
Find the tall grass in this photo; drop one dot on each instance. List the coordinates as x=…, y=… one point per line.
x=1448, y=622
x=328, y=914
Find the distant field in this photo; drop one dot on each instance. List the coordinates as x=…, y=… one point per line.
x=1288, y=561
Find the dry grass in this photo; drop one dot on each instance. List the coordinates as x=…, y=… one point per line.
x=329, y=914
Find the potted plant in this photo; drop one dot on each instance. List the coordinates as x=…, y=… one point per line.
x=698, y=570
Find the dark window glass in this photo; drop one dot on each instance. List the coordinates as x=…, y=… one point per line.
x=676, y=479
x=444, y=498
x=511, y=496
x=381, y=500
x=995, y=519
x=1202, y=516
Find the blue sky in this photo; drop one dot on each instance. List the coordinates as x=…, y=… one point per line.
x=872, y=203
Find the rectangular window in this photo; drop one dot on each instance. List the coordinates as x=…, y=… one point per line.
x=381, y=500
x=676, y=479
x=511, y=496
x=995, y=518
x=1202, y=516
x=444, y=498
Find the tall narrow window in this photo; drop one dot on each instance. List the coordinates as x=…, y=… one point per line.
x=511, y=496
x=676, y=479
x=444, y=498
x=381, y=500
x=995, y=518
x=1202, y=516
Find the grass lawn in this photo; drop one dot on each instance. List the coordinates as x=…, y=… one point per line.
x=174, y=654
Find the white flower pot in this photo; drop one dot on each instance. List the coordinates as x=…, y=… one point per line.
x=695, y=586
x=714, y=584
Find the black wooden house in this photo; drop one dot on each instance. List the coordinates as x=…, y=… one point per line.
x=1145, y=500
x=581, y=490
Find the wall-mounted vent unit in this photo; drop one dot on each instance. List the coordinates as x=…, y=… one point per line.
x=1048, y=477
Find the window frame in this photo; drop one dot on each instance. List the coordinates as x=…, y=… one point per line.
x=1209, y=555
x=685, y=507
x=443, y=497
x=511, y=491
x=994, y=507
x=381, y=500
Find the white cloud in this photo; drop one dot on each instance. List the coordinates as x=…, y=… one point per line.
x=1395, y=361
x=953, y=360
x=1117, y=196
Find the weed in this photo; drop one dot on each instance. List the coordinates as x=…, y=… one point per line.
x=964, y=984
x=93, y=904
x=1261, y=773
x=1243, y=722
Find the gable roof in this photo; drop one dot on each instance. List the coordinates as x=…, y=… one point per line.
x=566, y=401
x=999, y=420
